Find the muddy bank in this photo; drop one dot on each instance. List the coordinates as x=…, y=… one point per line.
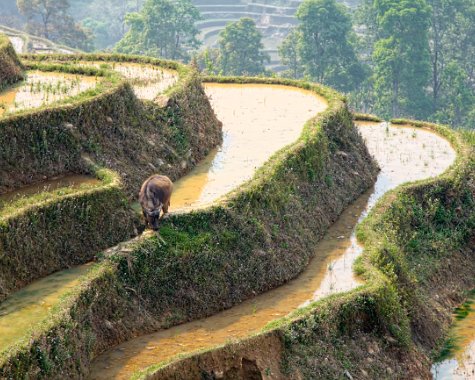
x=412, y=258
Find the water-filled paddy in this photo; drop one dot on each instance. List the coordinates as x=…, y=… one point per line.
x=458, y=362
x=405, y=154
x=18, y=43
x=43, y=88
x=258, y=120
x=32, y=304
x=148, y=81
x=71, y=181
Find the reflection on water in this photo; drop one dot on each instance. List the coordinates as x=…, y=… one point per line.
x=258, y=120
x=402, y=154
x=70, y=181
x=31, y=305
x=459, y=362
x=189, y=189
x=42, y=88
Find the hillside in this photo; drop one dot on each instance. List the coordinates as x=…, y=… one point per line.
x=27, y=43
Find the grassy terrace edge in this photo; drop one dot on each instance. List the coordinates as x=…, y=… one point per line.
x=144, y=285
x=412, y=233
x=50, y=232
x=69, y=213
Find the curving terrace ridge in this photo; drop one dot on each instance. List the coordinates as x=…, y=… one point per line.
x=330, y=272
x=107, y=280
x=253, y=239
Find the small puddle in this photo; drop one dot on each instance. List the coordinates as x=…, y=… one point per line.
x=148, y=81
x=74, y=181
x=397, y=149
x=29, y=306
x=42, y=88
x=457, y=360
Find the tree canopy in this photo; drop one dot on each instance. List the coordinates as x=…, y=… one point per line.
x=241, y=49
x=322, y=46
x=421, y=54
x=163, y=28
x=51, y=19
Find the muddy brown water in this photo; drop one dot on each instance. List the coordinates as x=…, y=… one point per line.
x=74, y=181
x=404, y=154
x=42, y=88
x=460, y=361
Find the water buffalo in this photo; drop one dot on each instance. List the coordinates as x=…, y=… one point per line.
x=154, y=197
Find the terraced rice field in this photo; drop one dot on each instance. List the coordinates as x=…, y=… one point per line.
x=396, y=148
x=43, y=88
x=147, y=80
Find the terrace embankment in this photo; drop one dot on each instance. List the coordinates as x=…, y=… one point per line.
x=112, y=127
x=100, y=129
x=11, y=70
x=416, y=264
x=257, y=237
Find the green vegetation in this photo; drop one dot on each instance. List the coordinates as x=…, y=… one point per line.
x=11, y=70
x=163, y=28
x=421, y=54
x=240, y=49
x=321, y=48
x=51, y=19
x=401, y=57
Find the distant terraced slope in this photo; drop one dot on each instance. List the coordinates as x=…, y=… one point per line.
x=274, y=18
x=26, y=43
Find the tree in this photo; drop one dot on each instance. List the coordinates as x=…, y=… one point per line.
x=240, y=49
x=325, y=45
x=163, y=28
x=207, y=61
x=457, y=96
x=401, y=57
x=50, y=19
x=289, y=52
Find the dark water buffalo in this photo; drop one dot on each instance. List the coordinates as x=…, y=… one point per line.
x=154, y=198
